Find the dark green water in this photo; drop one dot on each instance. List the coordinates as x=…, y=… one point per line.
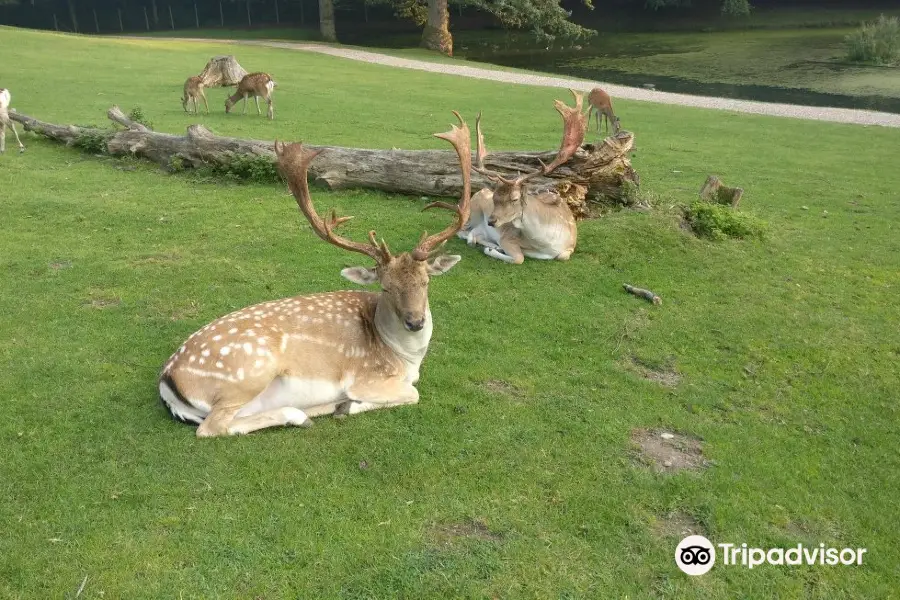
x=562, y=65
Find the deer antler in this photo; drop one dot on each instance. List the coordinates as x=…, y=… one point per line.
x=481, y=153
x=574, y=129
x=460, y=138
x=293, y=163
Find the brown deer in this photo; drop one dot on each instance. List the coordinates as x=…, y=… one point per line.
x=253, y=85
x=193, y=91
x=5, y=121
x=285, y=361
x=509, y=222
x=600, y=103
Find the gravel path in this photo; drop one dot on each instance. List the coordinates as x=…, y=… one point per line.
x=817, y=113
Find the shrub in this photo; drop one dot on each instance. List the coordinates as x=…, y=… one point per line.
x=877, y=42
x=138, y=116
x=736, y=8
x=92, y=141
x=246, y=167
x=718, y=222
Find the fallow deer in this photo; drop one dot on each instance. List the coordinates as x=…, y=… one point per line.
x=5, y=121
x=193, y=92
x=600, y=104
x=509, y=222
x=285, y=361
x=253, y=85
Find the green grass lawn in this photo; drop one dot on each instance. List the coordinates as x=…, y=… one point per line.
x=787, y=351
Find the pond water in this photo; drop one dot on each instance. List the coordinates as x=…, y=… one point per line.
x=564, y=65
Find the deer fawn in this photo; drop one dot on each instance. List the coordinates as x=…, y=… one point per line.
x=255, y=85
x=5, y=121
x=193, y=91
x=285, y=361
x=599, y=101
x=511, y=223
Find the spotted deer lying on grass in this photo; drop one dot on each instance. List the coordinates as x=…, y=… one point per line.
x=286, y=361
x=512, y=223
x=193, y=92
x=253, y=85
x=5, y=121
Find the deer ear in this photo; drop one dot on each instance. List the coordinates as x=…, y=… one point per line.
x=360, y=275
x=442, y=264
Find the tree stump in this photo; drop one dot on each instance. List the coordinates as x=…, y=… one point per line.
x=715, y=192
x=222, y=71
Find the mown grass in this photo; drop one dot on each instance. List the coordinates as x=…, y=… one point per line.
x=787, y=350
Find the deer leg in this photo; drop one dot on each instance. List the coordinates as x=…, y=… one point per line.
x=509, y=252
x=244, y=112
x=16, y=133
x=378, y=394
x=257, y=105
x=2, y=137
x=271, y=108
x=277, y=417
x=205, y=103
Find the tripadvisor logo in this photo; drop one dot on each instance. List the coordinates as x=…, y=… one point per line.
x=696, y=555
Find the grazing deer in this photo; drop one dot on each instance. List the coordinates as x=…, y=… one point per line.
x=600, y=103
x=5, y=121
x=193, y=91
x=509, y=222
x=253, y=85
x=285, y=361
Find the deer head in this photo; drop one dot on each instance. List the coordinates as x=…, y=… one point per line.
x=510, y=195
x=404, y=278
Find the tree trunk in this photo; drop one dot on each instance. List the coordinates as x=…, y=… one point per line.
x=302, y=14
x=146, y=19
x=598, y=172
x=55, y=23
x=249, y=23
x=326, y=20
x=277, y=16
x=171, y=18
x=221, y=16
x=155, y=13
x=196, y=16
x=96, y=21
x=73, y=16
x=436, y=35
x=121, y=25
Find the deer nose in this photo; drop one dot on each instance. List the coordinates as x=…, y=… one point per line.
x=414, y=324
x=492, y=221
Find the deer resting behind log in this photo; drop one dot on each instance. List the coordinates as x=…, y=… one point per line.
x=255, y=85
x=511, y=223
x=285, y=361
x=5, y=99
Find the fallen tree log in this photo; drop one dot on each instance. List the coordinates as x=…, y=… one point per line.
x=600, y=173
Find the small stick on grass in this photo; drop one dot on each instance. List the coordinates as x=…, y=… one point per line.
x=643, y=293
x=81, y=587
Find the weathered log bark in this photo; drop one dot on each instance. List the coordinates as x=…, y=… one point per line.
x=222, y=71
x=599, y=173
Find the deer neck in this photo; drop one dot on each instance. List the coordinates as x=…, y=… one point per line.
x=409, y=346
